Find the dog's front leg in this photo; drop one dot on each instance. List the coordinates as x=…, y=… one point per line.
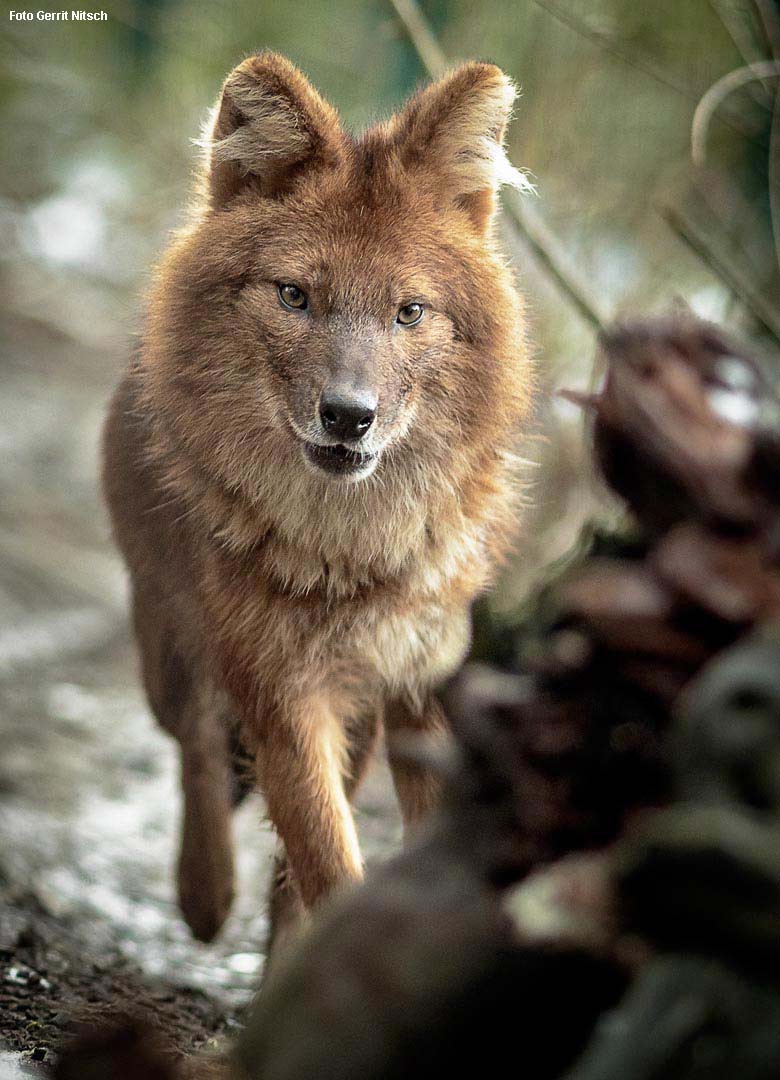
x=300, y=766
x=417, y=784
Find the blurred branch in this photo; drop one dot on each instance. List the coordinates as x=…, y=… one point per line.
x=723, y=267
x=774, y=175
x=534, y=232
x=421, y=36
x=739, y=219
x=608, y=44
x=715, y=97
x=628, y=56
x=770, y=21
x=769, y=16
x=746, y=44
x=547, y=249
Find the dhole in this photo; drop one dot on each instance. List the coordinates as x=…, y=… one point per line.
x=309, y=465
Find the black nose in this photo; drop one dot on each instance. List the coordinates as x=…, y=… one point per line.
x=347, y=415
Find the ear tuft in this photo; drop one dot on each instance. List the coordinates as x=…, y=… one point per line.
x=454, y=129
x=269, y=123
x=471, y=136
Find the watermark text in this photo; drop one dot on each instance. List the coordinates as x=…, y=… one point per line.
x=58, y=16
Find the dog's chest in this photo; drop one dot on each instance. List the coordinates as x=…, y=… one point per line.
x=328, y=613
x=415, y=648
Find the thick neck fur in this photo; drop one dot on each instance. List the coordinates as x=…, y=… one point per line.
x=418, y=521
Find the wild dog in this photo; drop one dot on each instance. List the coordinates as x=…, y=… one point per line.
x=310, y=463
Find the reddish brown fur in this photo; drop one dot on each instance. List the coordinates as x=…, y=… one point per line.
x=307, y=606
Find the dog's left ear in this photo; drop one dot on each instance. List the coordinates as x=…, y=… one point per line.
x=454, y=129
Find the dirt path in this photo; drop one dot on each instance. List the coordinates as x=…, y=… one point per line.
x=88, y=824
x=89, y=800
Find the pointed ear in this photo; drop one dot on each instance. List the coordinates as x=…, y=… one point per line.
x=454, y=130
x=268, y=125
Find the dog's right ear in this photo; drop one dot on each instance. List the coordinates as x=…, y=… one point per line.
x=267, y=127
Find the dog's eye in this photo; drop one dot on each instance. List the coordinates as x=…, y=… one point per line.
x=292, y=297
x=409, y=314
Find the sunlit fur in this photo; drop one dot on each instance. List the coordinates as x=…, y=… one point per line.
x=314, y=604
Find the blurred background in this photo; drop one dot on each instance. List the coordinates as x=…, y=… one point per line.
x=652, y=133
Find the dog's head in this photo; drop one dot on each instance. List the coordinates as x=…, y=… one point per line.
x=343, y=294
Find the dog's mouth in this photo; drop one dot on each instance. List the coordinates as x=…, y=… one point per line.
x=338, y=460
